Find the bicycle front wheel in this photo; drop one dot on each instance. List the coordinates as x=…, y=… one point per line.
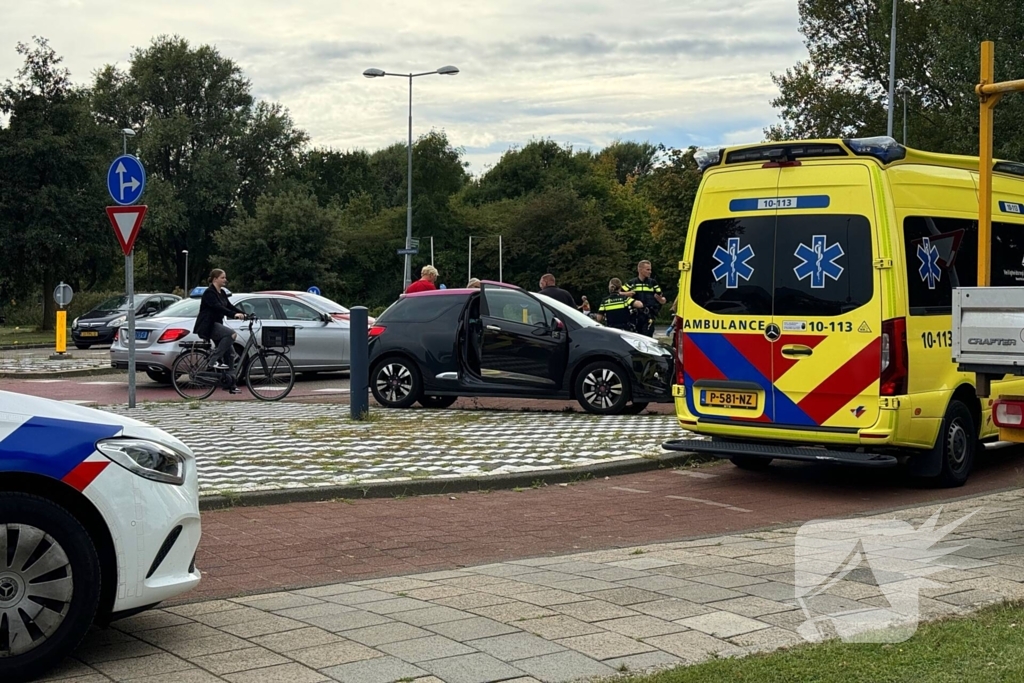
x=192, y=377
x=270, y=375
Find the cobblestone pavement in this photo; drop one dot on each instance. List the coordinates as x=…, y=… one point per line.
x=14, y=365
x=549, y=619
x=259, y=446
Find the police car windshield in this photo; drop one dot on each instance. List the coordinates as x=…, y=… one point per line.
x=565, y=312
x=186, y=308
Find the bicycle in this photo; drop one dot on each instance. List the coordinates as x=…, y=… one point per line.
x=268, y=373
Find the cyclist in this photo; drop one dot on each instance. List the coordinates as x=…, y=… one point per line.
x=210, y=324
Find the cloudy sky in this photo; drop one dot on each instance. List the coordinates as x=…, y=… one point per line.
x=583, y=72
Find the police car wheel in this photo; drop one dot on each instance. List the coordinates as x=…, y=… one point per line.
x=602, y=388
x=958, y=444
x=395, y=383
x=49, y=584
x=437, y=401
x=158, y=376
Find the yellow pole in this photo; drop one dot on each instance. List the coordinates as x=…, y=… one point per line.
x=62, y=331
x=988, y=103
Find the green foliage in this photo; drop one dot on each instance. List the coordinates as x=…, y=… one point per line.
x=842, y=89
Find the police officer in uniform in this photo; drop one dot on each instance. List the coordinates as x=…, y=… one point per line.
x=618, y=310
x=646, y=289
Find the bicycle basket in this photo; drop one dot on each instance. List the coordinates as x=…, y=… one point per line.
x=278, y=336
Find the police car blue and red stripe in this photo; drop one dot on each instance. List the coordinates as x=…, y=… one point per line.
x=99, y=519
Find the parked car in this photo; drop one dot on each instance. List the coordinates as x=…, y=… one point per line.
x=432, y=347
x=321, y=302
x=100, y=325
x=321, y=340
x=99, y=516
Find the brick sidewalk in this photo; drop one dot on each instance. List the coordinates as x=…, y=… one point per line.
x=549, y=619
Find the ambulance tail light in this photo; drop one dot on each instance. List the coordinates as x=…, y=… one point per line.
x=677, y=343
x=1008, y=413
x=894, y=365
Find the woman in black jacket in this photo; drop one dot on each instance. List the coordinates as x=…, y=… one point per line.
x=210, y=322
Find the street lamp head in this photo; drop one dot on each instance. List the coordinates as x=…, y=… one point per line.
x=128, y=132
x=448, y=70
x=373, y=73
x=184, y=251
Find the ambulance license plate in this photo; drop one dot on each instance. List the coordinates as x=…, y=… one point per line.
x=728, y=399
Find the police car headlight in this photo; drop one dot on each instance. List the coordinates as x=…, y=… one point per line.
x=148, y=459
x=648, y=346
x=117, y=322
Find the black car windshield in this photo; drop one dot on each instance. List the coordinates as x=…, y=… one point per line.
x=564, y=311
x=186, y=308
x=117, y=303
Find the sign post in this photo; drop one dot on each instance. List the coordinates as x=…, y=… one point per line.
x=126, y=180
x=62, y=297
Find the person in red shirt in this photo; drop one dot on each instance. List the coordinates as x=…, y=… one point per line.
x=426, y=282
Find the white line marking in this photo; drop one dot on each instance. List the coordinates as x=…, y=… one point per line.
x=330, y=391
x=695, y=474
x=710, y=502
x=45, y=381
x=100, y=383
x=623, y=488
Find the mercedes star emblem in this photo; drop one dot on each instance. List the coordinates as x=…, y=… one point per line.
x=772, y=332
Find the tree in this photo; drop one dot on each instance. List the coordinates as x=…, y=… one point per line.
x=290, y=242
x=842, y=89
x=201, y=133
x=53, y=156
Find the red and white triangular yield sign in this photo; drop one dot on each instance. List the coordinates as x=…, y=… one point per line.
x=126, y=221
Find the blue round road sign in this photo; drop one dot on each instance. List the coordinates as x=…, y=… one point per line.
x=126, y=180
x=314, y=290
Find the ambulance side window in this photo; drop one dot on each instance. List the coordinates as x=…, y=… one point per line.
x=823, y=264
x=941, y=253
x=1007, y=254
x=732, y=265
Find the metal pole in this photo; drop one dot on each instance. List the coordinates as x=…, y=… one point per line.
x=904, y=117
x=892, y=67
x=359, y=373
x=408, y=212
x=988, y=103
x=186, y=274
x=129, y=281
x=431, y=250
x=124, y=149
x=470, y=269
x=501, y=276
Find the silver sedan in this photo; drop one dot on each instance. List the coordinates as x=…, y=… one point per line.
x=321, y=339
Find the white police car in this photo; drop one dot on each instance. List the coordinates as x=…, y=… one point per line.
x=99, y=519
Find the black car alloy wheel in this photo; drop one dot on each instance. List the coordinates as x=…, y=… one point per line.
x=396, y=383
x=602, y=388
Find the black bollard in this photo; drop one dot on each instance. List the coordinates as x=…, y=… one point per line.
x=359, y=373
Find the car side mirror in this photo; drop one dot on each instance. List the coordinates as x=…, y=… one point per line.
x=557, y=325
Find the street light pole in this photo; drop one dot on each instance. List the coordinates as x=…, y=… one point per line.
x=905, y=90
x=892, y=67
x=185, y=252
x=379, y=73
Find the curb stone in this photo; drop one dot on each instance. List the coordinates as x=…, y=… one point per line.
x=425, y=487
x=59, y=374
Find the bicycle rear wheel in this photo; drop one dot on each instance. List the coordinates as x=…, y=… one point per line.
x=192, y=377
x=270, y=375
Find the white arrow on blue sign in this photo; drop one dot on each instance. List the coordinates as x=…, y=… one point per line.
x=314, y=290
x=126, y=180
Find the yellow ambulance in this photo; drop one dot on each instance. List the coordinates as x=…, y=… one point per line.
x=815, y=299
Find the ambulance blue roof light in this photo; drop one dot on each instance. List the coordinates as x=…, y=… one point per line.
x=882, y=147
x=706, y=157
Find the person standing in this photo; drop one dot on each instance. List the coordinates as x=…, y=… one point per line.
x=548, y=288
x=210, y=324
x=618, y=309
x=428, y=276
x=646, y=289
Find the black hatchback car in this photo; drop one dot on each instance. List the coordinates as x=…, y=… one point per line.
x=433, y=347
x=100, y=325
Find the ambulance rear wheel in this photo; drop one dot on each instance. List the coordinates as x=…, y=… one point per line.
x=957, y=445
x=746, y=462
